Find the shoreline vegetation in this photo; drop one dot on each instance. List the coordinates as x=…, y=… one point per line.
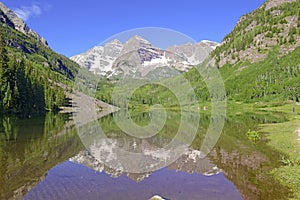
x=284, y=137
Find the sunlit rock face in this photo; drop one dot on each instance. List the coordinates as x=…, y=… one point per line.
x=10, y=18
x=138, y=57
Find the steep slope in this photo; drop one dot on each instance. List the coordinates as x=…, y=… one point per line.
x=9, y=17
x=259, y=60
x=139, y=57
x=22, y=39
x=260, y=57
x=194, y=53
x=31, y=74
x=274, y=24
x=105, y=55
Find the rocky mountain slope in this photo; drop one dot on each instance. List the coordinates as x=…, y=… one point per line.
x=33, y=77
x=139, y=56
x=260, y=57
x=9, y=17
x=21, y=39
x=274, y=24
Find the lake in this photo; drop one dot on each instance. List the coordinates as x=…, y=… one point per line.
x=44, y=158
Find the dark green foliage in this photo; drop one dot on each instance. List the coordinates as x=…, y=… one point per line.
x=104, y=91
x=25, y=88
x=32, y=77
x=152, y=94
x=3, y=65
x=28, y=47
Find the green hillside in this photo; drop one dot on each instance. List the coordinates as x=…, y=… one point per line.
x=275, y=24
x=258, y=61
x=32, y=76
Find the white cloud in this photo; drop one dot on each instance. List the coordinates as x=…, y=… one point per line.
x=25, y=12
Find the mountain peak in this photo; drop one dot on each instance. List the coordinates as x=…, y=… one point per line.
x=114, y=41
x=135, y=43
x=143, y=56
x=138, y=39
x=208, y=41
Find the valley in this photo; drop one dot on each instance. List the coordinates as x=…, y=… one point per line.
x=130, y=113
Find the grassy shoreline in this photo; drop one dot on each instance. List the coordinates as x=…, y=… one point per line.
x=284, y=137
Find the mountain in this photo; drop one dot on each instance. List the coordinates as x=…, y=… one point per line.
x=22, y=39
x=274, y=24
x=105, y=55
x=10, y=18
x=138, y=57
x=259, y=60
x=194, y=53
x=33, y=78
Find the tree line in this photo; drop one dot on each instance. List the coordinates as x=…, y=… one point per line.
x=25, y=89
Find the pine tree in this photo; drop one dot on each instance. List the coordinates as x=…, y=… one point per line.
x=16, y=98
x=7, y=100
x=3, y=65
x=21, y=83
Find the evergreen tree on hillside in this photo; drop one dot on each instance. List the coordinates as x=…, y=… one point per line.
x=24, y=88
x=3, y=65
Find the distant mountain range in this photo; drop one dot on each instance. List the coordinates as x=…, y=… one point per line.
x=138, y=57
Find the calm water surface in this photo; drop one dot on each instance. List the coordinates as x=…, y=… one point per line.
x=43, y=158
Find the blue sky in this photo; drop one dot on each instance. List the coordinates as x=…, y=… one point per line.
x=72, y=27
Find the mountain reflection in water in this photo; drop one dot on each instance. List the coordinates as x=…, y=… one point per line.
x=43, y=158
x=71, y=180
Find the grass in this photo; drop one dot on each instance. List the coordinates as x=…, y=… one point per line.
x=283, y=137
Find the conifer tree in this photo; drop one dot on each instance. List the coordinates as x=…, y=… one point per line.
x=3, y=65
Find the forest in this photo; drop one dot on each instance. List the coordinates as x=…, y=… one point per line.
x=26, y=90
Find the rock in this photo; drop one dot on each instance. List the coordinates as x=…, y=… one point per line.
x=138, y=57
x=11, y=19
x=156, y=197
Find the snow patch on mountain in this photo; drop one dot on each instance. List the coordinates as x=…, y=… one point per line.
x=137, y=56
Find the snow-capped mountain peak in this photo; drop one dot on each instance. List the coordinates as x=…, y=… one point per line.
x=138, y=56
x=135, y=43
x=211, y=43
